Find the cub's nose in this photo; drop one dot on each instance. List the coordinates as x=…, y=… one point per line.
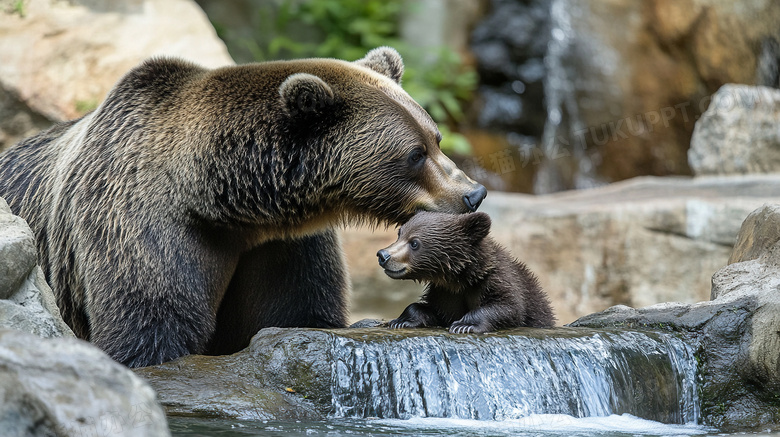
x=384, y=257
x=474, y=198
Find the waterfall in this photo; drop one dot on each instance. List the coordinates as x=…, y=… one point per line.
x=581, y=73
x=577, y=372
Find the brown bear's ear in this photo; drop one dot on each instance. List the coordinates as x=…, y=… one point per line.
x=386, y=61
x=476, y=225
x=305, y=94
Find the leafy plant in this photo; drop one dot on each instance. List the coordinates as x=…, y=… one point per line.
x=347, y=29
x=18, y=7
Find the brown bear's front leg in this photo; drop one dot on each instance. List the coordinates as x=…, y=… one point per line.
x=290, y=283
x=154, y=312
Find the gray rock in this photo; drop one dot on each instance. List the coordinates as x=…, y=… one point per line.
x=760, y=232
x=27, y=303
x=33, y=309
x=67, y=387
x=738, y=134
x=236, y=386
x=736, y=332
x=17, y=251
x=376, y=372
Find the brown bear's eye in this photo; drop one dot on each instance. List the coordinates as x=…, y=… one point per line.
x=414, y=244
x=416, y=156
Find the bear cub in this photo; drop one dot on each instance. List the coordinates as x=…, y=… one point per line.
x=473, y=284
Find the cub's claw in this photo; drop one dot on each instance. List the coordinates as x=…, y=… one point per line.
x=399, y=324
x=457, y=328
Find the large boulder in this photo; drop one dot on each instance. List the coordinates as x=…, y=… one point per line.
x=637, y=243
x=59, y=59
x=738, y=133
x=66, y=387
x=26, y=301
x=18, y=255
x=736, y=333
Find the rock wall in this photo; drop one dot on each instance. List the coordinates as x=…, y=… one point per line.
x=59, y=59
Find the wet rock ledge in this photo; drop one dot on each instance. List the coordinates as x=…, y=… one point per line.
x=376, y=372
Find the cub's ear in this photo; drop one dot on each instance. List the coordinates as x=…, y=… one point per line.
x=386, y=61
x=476, y=225
x=305, y=94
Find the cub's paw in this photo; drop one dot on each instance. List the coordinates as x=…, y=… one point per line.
x=401, y=324
x=466, y=328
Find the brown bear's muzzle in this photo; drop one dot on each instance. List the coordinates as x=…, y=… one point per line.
x=448, y=188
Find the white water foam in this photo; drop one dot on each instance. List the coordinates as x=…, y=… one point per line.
x=555, y=424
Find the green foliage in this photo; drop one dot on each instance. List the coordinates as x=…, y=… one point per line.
x=18, y=7
x=347, y=29
x=343, y=29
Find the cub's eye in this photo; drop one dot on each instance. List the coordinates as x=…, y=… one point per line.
x=414, y=244
x=416, y=156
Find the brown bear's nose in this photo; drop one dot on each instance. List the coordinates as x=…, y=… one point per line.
x=474, y=198
x=384, y=257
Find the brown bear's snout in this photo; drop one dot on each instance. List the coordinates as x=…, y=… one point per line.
x=475, y=198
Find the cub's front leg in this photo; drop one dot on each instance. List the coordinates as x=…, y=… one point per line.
x=484, y=319
x=416, y=315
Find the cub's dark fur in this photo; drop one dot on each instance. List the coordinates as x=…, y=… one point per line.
x=474, y=285
x=194, y=206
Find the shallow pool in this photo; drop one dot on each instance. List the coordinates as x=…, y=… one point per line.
x=535, y=425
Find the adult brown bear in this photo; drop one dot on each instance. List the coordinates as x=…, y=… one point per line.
x=195, y=206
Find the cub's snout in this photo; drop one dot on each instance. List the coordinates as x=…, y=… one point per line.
x=394, y=260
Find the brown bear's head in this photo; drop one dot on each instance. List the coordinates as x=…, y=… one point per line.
x=379, y=147
x=435, y=247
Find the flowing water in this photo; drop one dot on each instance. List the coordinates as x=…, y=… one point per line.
x=579, y=373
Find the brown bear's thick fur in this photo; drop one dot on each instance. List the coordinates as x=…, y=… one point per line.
x=194, y=207
x=474, y=285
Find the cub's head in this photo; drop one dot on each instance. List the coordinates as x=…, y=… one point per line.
x=381, y=149
x=435, y=247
